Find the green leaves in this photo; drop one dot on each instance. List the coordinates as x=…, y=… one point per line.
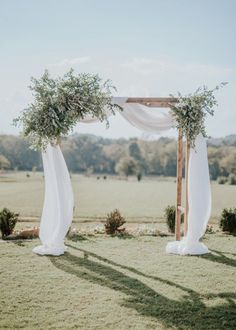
x=60, y=103
x=190, y=112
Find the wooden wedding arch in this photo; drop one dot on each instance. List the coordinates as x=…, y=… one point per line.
x=165, y=102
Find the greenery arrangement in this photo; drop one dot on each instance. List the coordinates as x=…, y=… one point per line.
x=113, y=223
x=8, y=221
x=170, y=218
x=190, y=111
x=228, y=220
x=60, y=103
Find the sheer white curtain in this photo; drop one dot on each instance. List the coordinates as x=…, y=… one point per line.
x=58, y=204
x=199, y=197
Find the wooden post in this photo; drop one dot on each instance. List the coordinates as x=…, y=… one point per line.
x=179, y=186
x=187, y=152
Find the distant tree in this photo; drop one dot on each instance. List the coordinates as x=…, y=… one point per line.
x=85, y=151
x=134, y=151
x=228, y=163
x=113, y=152
x=169, y=158
x=34, y=169
x=142, y=164
x=4, y=163
x=127, y=166
x=17, y=151
x=214, y=169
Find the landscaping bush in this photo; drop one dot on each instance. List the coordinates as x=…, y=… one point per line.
x=232, y=179
x=170, y=218
x=222, y=180
x=139, y=176
x=228, y=220
x=113, y=222
x=8, y=221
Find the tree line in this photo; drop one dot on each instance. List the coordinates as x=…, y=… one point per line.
x=92, y=154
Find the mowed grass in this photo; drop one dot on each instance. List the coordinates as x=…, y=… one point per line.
x=115, y=283
x=143, y=201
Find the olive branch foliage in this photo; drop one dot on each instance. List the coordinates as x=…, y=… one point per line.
x=190, y=111
x=60, y=103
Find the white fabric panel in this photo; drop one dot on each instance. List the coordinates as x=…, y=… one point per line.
x=58, y=203
x=147, y=119
x=199, y=197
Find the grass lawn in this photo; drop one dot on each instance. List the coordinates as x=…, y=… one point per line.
x=141, y=202
x=115, y=283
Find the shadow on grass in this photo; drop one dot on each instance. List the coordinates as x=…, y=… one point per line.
x=78, y=238
x=19, y=242
x=189, y=312
x=122, y=235
x=219, y=257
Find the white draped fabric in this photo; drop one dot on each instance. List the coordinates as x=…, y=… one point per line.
x=199, y=197
x=58, y=204
x=144, y=118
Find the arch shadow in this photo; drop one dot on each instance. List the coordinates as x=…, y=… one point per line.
x=219, y=257
x=189, y=312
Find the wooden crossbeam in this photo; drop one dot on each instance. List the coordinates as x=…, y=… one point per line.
x=153, y=102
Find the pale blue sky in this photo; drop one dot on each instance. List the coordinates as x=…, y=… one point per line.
x=146, y=47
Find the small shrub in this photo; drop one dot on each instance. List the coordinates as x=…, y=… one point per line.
x=170, y=218
x=113, y=222
x=228, y=220
x=8, y=221
x=139, y=176
x=232, y=179
x=222, y=180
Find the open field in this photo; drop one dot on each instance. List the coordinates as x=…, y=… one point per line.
x=139, y=201
x=114, y=283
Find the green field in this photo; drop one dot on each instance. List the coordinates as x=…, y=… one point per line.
x=114, y=283
x=139, y=201
x=126, y=282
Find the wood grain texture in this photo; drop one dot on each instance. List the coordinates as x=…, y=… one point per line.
x=153, y=102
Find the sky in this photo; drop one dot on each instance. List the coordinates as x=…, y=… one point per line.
x=146, y=47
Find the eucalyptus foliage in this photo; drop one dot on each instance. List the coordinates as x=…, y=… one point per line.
x=190, y=111
x=60, y=103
